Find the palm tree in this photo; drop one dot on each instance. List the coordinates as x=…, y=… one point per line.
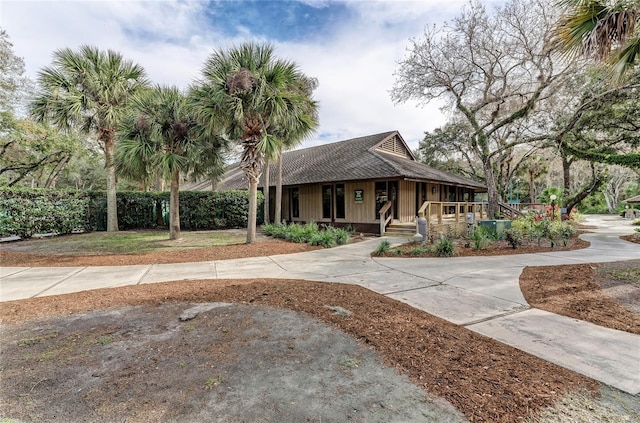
x=607, y=30
x=254, y=95
x=89, y=89
x=160, y=134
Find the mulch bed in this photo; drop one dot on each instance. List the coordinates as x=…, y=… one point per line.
x=498, y=248
x=486, y=380
x=576, y=291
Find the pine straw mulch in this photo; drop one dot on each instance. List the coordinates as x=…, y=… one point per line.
x=486, y=380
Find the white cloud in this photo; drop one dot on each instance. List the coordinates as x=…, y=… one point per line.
x=172, y=39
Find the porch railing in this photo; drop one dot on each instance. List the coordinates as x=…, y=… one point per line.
x=386, y=216
x=437, y=212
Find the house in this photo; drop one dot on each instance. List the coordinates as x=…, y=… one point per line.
x=369, y=183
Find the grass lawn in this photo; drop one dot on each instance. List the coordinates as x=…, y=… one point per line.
x=127, y=242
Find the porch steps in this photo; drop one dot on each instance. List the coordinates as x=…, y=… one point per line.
x=401, y=229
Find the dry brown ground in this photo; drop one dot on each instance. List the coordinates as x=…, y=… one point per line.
x=486, y=380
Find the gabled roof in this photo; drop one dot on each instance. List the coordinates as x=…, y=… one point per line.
x=635, y=199
x=379, y=156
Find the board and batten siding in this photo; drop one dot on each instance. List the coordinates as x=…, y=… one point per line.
x=310, y=203
x=360, y=212
x=406, y=201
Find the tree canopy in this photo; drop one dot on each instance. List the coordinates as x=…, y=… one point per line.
x=88, y=90
x=607, y=30
x=255, y=98
x=492, y=70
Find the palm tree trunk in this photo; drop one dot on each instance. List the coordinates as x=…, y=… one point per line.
x=266, y=191
x=253, y=208
x=278, y=211
x=112, y=205
x=174, y=206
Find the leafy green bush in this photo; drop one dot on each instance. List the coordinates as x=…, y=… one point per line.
x=340, y=235
x=324, y=239
x=25, y=212
x=636, y=222
x=382, y=248
x=325, y=236
x=444, y=247
x=418, y=251
x=526, y=225
x=481, y=237
x=562, y=230
x=513, y=237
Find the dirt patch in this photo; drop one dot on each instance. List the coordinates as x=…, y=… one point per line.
x=185, y=362
x=586, y=292
x=486, y=380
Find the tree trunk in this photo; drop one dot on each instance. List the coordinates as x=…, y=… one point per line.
x=252, y=161
x=566, y=178
x=596, y=182
x=253, y=208
x=532, y=187
x=492, y=190
x=278, y=211
x=112, y=206
x=159, y=183
x=266, y=185
x=174, y=206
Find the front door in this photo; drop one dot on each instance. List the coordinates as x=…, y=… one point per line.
x=393, y=196
x=386, y=191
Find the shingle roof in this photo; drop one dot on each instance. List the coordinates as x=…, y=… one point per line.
x=635, y=199
x=354, y=159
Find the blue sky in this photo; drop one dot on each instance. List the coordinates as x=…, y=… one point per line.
x=352, y=47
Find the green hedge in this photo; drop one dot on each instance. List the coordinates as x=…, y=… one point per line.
x=25, y=212
x=38, y=211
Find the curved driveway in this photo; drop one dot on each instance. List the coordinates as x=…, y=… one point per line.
x=480, y=293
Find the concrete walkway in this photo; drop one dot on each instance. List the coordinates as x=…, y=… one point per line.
x=480, y=293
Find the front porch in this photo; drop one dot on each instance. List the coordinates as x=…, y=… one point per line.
x=442, y=217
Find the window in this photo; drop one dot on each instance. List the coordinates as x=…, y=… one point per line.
x=295, y=202
x=326, y=201
x=340, y=202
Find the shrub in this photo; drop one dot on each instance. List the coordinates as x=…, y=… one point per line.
x=325, y=236
x=481, y=237
x=562, y=230
x=382, y=248
x=513, y=237
x=29, y=211
x=636, y=222
x=25, y=212
x=444, y=247
x=324, y=239
x=527, y=225
x=418, y=251
x=340, y=236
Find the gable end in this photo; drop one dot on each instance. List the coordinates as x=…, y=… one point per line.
x=395, y=145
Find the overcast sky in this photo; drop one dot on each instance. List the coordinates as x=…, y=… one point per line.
x=352, y=47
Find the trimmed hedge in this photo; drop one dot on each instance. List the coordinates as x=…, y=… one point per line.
x=37, y=211
x=25, y=212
